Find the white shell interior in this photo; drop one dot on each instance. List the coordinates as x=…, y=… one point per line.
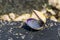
x=33, y=24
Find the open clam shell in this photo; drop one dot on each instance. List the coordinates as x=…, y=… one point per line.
x=34, y=24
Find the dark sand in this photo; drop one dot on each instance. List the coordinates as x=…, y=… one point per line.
x=12, y=31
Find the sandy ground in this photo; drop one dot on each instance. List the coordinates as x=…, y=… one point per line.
x=13, y=31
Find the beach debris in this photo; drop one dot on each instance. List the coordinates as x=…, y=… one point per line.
x=51, y=11
x=5, y=18
x=54, y=3
x=12, y=16
x=53, y=18
x=41, y=15
x=22, y=17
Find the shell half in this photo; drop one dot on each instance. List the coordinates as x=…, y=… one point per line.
x=34, y=24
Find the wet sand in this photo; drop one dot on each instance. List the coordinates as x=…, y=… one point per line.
x=12, y=31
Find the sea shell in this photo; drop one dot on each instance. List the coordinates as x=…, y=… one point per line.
x=34, y=24
x=41, y=15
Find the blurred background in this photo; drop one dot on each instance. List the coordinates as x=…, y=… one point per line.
x=20, y=6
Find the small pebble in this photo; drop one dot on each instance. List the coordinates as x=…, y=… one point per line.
x=23, y=36
x=12, y=16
